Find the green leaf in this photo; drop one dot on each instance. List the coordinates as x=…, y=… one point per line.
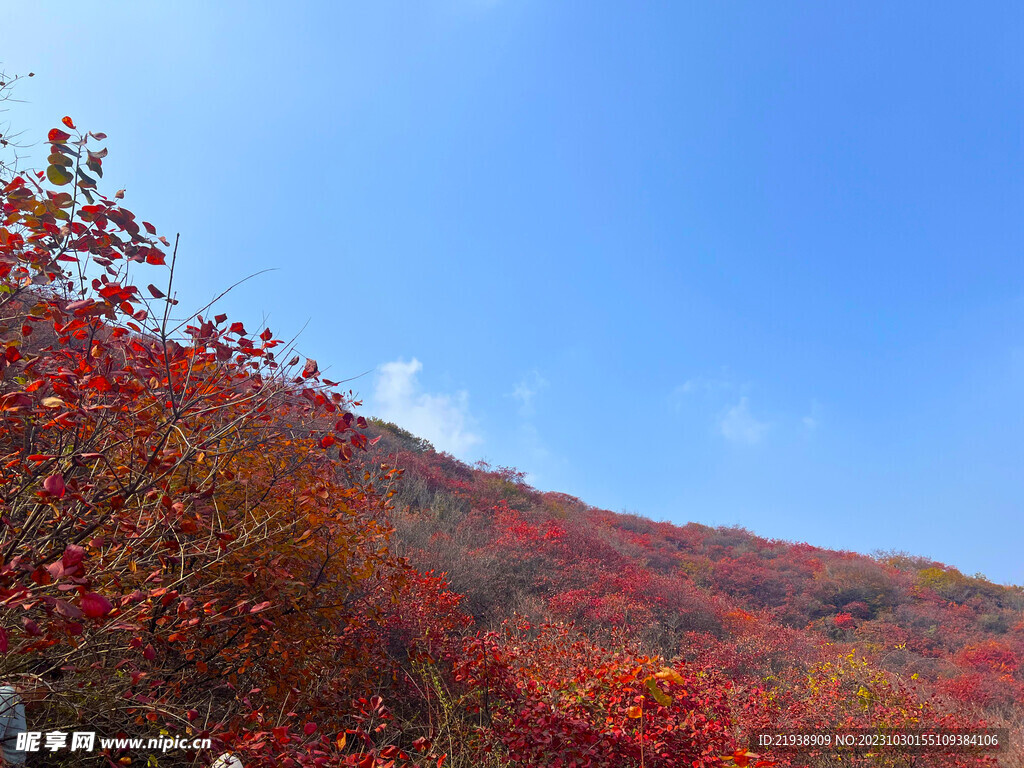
x=58, y=159
x=659, y=695
x=58, y=175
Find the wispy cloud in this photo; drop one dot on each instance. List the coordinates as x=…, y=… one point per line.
x=526, y=390
x=740, y=426
x=443, y=419
x=701, y=385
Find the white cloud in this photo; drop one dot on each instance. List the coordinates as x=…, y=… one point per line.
x=526, y=390
x=812, y=420
x=442, y=419
x=739, y=424
x=701, y=385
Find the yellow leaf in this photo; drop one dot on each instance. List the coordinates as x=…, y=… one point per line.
x=52, y=402
x=667, y=673
x=634, y=712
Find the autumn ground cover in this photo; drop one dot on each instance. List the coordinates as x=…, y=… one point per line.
x=793, y=637
x=201, y=537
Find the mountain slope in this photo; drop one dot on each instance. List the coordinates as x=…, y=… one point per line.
x=769, y=617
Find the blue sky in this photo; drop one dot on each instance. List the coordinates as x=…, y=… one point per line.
x=753, y=264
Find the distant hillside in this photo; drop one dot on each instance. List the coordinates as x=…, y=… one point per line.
x=771, y=617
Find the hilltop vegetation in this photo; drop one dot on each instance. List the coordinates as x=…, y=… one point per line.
x=200, y=537
x=797, y=636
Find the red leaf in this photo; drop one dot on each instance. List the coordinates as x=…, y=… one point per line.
x=310, y=368
x=67, y=121
x=237, y=328
x=95, y=606
x=149, y=227
x=14, y=401
x=260, y=607
x=309, y=728
x=57, y=136
x=218, y=319
x=66, y=609
x=54, y=485
x=73, y=555
x=156, y=292
x=3, y=640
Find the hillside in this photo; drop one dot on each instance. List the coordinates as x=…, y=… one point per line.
x=202, y=542
x=766, y=615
